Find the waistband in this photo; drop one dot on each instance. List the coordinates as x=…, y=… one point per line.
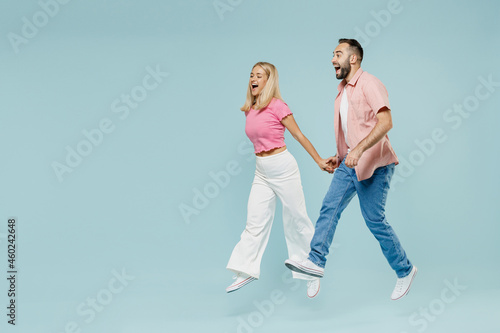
x=284, y=152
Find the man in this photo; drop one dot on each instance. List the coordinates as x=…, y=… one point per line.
x=364, y=165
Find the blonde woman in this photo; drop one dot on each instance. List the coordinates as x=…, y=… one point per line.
x=276, y=176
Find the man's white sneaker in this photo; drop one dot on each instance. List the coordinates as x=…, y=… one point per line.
x=240, y=280
x=306, y=267
x=403, y=285
x=312, y=288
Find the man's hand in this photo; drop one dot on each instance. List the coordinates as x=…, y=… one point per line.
x=325, y=165
x=329, y=165
x=384, y=124
x=353, y=157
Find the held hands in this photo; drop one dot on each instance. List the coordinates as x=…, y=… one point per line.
x=329, y=165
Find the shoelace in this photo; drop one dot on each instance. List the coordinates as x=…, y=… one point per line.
x=310, y=282
x=399, y=284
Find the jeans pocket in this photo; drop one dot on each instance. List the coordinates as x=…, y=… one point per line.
x=380, y=170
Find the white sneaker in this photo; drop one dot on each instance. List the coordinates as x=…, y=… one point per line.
x=306, y=267
x=312, y=288
x=240, y=280
x=403, y=285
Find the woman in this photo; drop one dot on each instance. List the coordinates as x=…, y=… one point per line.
x=276, y=175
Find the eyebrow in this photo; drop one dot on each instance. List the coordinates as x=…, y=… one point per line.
x=337, y=52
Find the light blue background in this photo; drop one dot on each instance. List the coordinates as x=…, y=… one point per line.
x=119, y=210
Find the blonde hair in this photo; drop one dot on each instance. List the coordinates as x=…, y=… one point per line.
x=271, y=89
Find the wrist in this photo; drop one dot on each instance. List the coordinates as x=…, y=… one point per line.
x=359, y=148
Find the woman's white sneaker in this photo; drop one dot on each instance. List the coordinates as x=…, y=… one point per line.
x=240, y=280
x=312, y=288
x=403, y=285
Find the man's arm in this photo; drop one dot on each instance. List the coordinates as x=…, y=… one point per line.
x=382, y=127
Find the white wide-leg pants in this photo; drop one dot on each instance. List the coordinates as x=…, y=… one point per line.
x=275, y=176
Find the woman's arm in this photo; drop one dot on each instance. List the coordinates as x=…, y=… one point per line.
x=293, y=128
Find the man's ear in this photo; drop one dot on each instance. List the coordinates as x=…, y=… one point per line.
x=353, y=58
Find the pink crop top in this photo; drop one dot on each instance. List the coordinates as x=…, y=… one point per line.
x=264, y=128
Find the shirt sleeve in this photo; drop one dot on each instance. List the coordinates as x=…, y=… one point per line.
x=281, y=110
x=376, y=95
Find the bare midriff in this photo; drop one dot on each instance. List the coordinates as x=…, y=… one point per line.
x=271, y=152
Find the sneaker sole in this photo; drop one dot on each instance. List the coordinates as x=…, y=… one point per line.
x=240, y=285
x=296, y=267
x=409, y=286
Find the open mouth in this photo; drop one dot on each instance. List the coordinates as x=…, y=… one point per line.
x=254, y=86
x=337, y=69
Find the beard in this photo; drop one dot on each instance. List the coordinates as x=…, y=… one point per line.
x=345, y=69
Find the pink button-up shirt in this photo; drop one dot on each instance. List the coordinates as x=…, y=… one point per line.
x=366, y=96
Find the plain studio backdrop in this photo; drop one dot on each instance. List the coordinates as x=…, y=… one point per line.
x=127, y=169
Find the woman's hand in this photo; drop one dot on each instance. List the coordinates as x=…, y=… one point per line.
x=329, y=165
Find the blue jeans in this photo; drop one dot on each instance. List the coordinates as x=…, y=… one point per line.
x=372, y=194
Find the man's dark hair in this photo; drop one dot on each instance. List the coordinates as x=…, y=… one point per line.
x=354, y=46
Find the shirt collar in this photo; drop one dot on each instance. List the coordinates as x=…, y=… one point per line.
x=353, y=81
